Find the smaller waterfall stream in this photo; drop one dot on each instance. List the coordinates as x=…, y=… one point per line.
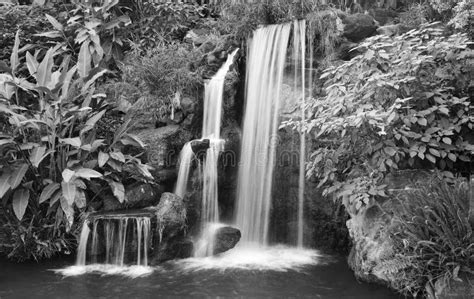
x=185, y=161
x=126, y=239
x=299, y=48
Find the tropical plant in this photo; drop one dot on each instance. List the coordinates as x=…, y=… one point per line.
x=433, y=233
x=100, y=33
x=403, y=103
x=52, y=164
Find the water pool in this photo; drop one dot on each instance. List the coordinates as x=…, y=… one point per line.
x=325, y=277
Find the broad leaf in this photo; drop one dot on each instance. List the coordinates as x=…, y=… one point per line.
x=93, y=79
x=4, y=184
x=91, y=122
x=31, y=64
x=117, y=156
x=84, y=60
x=14, y=56
x=130, y=139
x=45, y=69
x=54, y=22
x=118, y=190
x=67, y=175
x=69, y=191
x=37, y=155
x=88, y=173
x=80, y=199
x=68, y=210
x=20, y=202
x=103, y=157
x=76, y=141
x=17, y=176
x=48, y=192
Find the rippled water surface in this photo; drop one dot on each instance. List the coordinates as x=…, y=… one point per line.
x=278, y=273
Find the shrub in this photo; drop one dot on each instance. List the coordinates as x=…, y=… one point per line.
x=404, y=103
x=166, y=70
x=434, y=234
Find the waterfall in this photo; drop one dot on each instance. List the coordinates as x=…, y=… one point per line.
x=121, y=237
x=266, y=60
x=213, y=97
x=82, y=249
x=300, y=45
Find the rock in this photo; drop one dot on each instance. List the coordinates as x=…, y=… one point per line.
x=171, y=215
x=169, y=240
x=162, y=151
x=389, y=30
x=165, y=175
x=225, y=239
x=142, y=195
x=383, y=16
x=136, y=196
x=177, y=248
x=358, y=26
x=196, y=37
x=200, y=146
x=188, y=105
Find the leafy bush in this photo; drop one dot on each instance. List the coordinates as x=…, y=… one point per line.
x=434, y=234
x=165, y=72
x=163, y=23
x=52, y=164
x=28, y=19
x=239, y=18
x=404, y=103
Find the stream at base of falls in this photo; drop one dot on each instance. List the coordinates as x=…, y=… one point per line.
x=242, y=273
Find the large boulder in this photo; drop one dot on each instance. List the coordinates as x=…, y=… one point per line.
x=163, y=146
x=225, y=239
x=170, y=240
x=358, y=26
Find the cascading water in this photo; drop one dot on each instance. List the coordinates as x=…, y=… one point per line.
x=117, y=232
x=266, y=62
x=299, y=48
x=213, y=96
x=185, y=161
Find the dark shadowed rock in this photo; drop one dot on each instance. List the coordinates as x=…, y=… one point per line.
x=226, y=238
x=199, y=146
x=358, y=26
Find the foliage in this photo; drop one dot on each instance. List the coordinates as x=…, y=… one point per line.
x=167, y=73
x=28, y=19
x=434, y=234
x=162, y=23
x=402, y=104
x=239, y=18
x=52, y=164
x=96, y=33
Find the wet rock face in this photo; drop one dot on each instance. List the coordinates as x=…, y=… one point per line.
x=169, y=239
x=225, y=239
x=324, y=220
